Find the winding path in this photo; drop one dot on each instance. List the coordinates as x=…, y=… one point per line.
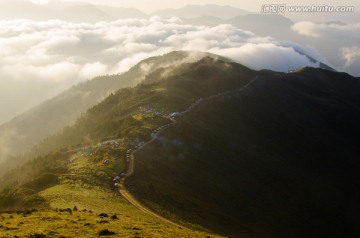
x=131, y=157
x=130, y=170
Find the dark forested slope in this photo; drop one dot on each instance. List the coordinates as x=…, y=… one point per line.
x=261, y=154
x=278, y=159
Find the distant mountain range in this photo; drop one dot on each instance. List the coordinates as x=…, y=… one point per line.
x=81, y=12
x=210, y=15
x=193, y=14
x=67, y=11
x=256, y=23
x=193, y=11
x=252, y=153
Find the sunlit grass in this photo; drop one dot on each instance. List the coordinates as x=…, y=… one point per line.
x=68, y=223
x=90, y=200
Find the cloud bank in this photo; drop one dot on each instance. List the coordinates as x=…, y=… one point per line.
x=341, y=38
x=350, y=32
x=351, y=55
x=40, y=59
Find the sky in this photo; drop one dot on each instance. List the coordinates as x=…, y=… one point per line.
x=250, y=5
x=151, y=5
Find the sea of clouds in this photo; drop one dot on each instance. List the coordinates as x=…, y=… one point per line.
x=40, y=59
x=341, y=39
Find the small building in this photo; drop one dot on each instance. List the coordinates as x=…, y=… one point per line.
x=174, y=114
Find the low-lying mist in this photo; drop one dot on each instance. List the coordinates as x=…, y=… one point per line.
x=40, y=59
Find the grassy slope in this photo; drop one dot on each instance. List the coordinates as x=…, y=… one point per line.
x=162, y=90
x=119, y=117
x=279, y=160
x=86, y=222
x=86, y=185
x=35, y=125
x=260, y=164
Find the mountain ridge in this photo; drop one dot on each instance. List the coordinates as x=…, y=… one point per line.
x=190, y=11
x=33, y=126
x=69, y=11
x=77, y=11
x=265, y=172
x=275, y=159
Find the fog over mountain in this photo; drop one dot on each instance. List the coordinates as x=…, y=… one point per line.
x=167, y=119
x=42, y=58
x=51, y=116
x=339, y=40
x=336, y=41
x=241, y=145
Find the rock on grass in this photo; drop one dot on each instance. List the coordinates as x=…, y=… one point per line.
x=106, y=232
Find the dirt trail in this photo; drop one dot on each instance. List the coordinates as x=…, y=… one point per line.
x=130, y=198
x=131, y=157
x=130, y=170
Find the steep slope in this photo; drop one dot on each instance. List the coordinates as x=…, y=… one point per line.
x=127, y=117
x=80, y=201
x=30, y=128
x=250, y=154
x=114, y=116
x=165, y=90
x=279, y=159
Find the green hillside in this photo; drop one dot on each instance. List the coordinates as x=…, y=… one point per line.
x=80, y=202
x=161, y=93
x=127, y=117
x=35, y=125
x=279, y=159
x=258, y=154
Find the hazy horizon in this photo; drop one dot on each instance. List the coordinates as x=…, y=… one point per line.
x=149, y=6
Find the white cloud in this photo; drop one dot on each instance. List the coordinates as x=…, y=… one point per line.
x=350, y=55
x=62, y=71
x=342, y=30
x=306, y=28
x=339, y=40
x=91, y=69
x=53, y=55
x=267, y=55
